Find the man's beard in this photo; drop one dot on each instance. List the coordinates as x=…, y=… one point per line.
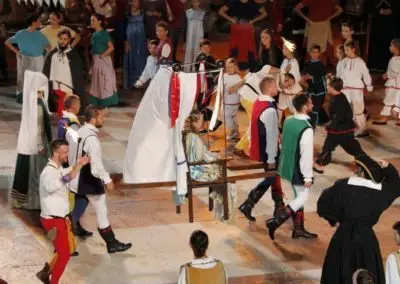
x=62, y=48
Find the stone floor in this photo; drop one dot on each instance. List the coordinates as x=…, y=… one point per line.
x=146, y=217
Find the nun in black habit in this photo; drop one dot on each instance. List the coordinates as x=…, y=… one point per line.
x=355, y=204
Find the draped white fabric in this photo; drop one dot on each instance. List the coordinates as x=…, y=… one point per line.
x=27, y=138
x=40, y=2
x=155, y=152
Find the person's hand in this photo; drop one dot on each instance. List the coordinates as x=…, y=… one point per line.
x=385, y=76
x=83, y=161
x=308, y=21
x=127, y=47
x=307, y=77
x=288, y=68
x=308, y=184
x=110, y=186
x=138, y=84
x=383, y=163
x=271, y=166
x=232, y=89
x=234, y=20
x=42, y=152
x=251, y=22
x=279, y=28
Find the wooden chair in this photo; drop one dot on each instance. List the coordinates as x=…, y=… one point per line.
x=219, y=185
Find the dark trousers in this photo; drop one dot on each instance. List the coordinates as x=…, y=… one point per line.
x=347, y=141
x=176, y=35
x=81, y=203
x=318, y=109
x=118, y=36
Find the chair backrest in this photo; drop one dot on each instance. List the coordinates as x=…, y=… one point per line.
x=214, y=275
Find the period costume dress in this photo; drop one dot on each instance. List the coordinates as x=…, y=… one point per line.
x=33, y=143
x=194, y=34
x=196, y=151
x=135, y=59
x=203, y=270
x=103, y=87
x=32, y=46
x=356, y=204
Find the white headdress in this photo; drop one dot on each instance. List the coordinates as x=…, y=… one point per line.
x=28, y=131
x=289, y=45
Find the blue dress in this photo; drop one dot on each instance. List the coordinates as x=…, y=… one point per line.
x=135, y=59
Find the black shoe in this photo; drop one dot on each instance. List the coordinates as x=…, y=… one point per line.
x=301, y=233
x=75, y=253
x=363, y=135
x=81, y=232
x=318, y=170
x=217, y=125
x=116, y=246
x=274, y=223
x=245, y=209
x=44, y=274
x=278, y=206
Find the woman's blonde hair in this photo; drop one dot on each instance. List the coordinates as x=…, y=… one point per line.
x=194, y=116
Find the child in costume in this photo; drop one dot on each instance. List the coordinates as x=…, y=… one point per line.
x=392, y=271
x=151, y=67
x=392, y=85
x=289, y=90
x=231, y=99
x=355, y=77
x=315, y=82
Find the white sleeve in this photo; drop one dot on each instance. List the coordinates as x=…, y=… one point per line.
x=307, y=154
x=295, y=70
x=51, y=180
x=264, y=71
x=393, y=69
x=93, y=149
x=366, y=76
x=182, y=276
x=146, y=74
x=166, y=50
x=270, y=119
x=391, y=271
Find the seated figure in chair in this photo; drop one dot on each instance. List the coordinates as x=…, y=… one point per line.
x=197, y=151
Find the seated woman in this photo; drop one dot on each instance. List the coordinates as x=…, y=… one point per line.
x=196, y=151
x=202, y=269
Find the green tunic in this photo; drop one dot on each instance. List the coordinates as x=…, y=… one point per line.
x=290, y=154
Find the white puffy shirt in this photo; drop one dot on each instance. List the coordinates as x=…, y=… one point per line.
x=393, y=73
x=356, y=74
x=294, y=70
x=306, y=150
x=53, y=191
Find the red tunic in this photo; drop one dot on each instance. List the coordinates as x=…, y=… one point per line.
x=258, y=108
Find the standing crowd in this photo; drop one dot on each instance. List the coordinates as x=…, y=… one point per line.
x=283, y=93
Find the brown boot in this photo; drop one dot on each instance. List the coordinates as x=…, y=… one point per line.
x=44, y=274
x=299, y=232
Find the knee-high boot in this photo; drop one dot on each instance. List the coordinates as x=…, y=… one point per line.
x=274, y=223
x=277, y=195
x=248, y=205
x=298, y=227
x=113, y=245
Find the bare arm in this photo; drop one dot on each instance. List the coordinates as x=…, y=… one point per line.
x=338, y=11
x=11, y=47
x=109, y=49
x=299, y=12
x=262, y=16
x=223, y=12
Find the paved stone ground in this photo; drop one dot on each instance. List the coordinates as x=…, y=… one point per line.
x=147, y=218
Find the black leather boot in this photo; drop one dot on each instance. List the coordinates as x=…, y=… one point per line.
x=113, y=245
x=299, y=232
x=276, y=194
x=44, y=274
x=81, y=232
x=274, y=223
x=247, y=206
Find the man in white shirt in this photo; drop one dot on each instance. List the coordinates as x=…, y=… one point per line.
x=54, y=203
x=94, y=179
x=296, y=166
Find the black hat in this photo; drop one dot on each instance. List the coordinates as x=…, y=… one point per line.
x=371, y=168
